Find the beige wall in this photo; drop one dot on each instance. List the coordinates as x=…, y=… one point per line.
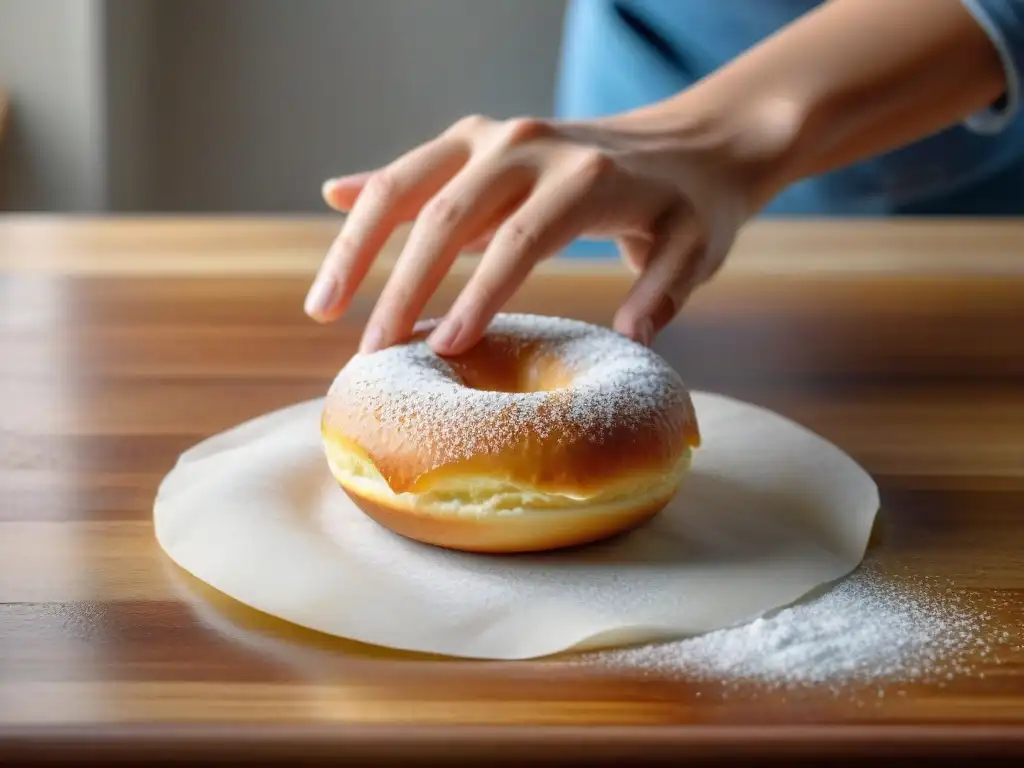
x=246, y=105
x=131, y=103
x=50, y=65
x=260, y=100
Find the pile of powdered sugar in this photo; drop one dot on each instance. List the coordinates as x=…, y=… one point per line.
x=868, y=628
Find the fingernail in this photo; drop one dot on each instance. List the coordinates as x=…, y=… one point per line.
x=352, y=180
x=665, y=311
x=373, y=338
x=423, y=326
x=327, y=186
x=321, y=296
x=444, y=337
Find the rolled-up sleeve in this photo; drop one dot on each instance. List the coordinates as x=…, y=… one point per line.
x=1003, y=22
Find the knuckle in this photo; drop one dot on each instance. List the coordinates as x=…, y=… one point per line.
x=594, y=166
x=382, y=187
x=521, y=130
x=394, y=301
x=339, y=273
x=519, y=237
x=398, y=300
x=344, y=247
x=471, y=306
x=443, y=211
x=469, y=125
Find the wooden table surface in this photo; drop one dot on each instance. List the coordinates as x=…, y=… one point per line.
x=124, y=342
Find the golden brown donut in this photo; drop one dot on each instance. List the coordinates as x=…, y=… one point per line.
x=548, y=433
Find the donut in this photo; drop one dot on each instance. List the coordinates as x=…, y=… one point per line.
x=548, y=433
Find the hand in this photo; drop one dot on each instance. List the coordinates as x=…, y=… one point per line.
x=672, y=197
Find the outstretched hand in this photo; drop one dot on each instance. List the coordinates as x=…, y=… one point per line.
x=522, y=190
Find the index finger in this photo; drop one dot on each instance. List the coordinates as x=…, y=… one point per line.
x=389, y=197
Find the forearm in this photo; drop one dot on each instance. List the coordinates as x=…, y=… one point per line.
x=852, y=79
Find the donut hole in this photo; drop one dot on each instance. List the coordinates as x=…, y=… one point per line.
x=498, y=365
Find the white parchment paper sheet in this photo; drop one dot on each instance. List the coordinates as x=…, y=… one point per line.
x=768, y=512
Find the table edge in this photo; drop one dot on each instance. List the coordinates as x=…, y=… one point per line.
x=430, y=742
x=107, y=246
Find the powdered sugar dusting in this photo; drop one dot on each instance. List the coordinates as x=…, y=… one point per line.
x=615, y=381
x=870, y=628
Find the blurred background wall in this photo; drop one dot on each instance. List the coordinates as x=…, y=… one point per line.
x=247, y=105
x=49, y=59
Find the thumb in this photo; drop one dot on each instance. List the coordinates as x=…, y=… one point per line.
x=673, y=270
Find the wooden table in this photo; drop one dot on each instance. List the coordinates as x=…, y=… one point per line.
x=125, y=342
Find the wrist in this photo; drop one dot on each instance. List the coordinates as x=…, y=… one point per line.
x=808, y=101
x=758, y=142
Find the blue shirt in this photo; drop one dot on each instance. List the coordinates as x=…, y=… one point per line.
x=621, y=54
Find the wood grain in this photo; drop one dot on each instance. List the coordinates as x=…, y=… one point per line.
x=124, y=342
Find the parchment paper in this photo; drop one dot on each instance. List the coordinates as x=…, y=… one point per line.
x=768, y=512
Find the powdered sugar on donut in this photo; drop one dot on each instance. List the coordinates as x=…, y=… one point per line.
x=615, y=381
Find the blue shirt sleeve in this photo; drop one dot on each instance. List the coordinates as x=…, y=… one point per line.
x=1003, y=22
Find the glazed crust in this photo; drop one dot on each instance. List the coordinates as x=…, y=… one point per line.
x=551, y=478
x=558, y=456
